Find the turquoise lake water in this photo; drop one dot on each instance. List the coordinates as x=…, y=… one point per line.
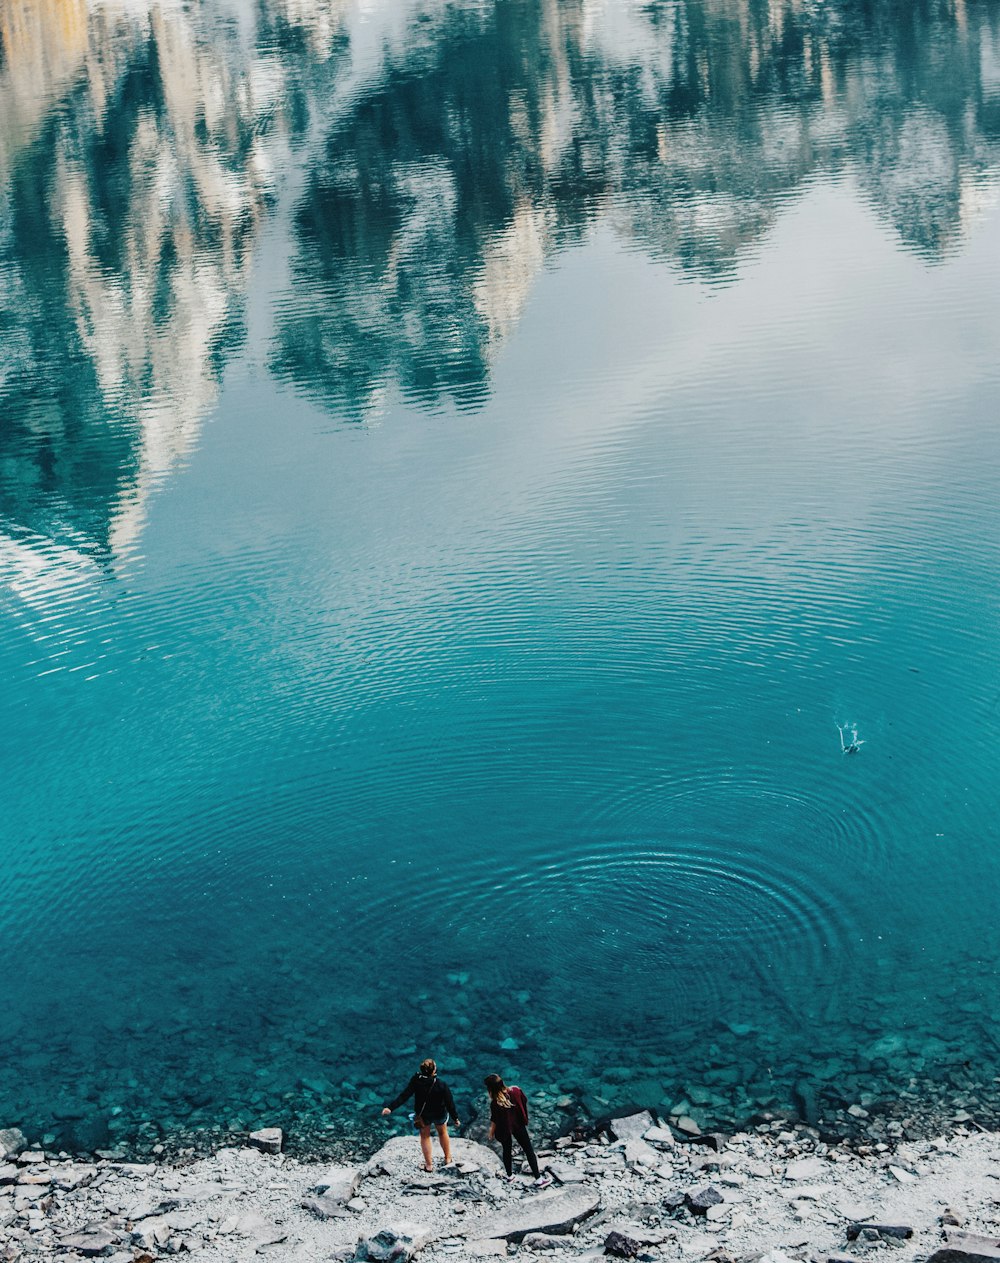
x=465, y=470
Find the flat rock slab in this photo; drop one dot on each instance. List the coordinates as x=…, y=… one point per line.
x=807, y=1169
x=965, y=1254
x=99, y=1241
x=565, y=1173
x=324, y=1207
x=967, y=1247
x=555, y=1212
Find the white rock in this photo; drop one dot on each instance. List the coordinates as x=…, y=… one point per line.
x=339, y=1183
x=807, y=1169
x=661, y=1136
x=807, y=1192
x=639, y=1154
x=12, y=1141
x=632, y=1126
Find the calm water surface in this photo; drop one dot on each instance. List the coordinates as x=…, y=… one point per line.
x=459, y=465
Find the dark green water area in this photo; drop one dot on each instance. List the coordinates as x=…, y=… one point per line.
x=499, y=557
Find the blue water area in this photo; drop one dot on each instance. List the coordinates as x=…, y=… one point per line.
x=498, y=560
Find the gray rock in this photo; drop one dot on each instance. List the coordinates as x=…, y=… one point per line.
x=262, y=1232
x=688, y=1126
x=12, y=1141
x=338, y=1183
x=661, y=1136
x=967, y=1247
x=807, y=1169
x=267, y=1140
x=699, y=1201
x=553, y=1212
x=73, y=1178
x=8, y=1173
x=566, y=1174
x=92, y=1241
x=632, y=1126
x=151, y=1234
x=621, y=1246
x=484, y=1249
x=543, y=1241
x=984, y=1253
x=639, y=1154
x=325, y=1207
x=901, y=1232
x=713, y=1140
x=395, y=1244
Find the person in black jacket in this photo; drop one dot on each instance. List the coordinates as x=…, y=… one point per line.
x=434, y=1105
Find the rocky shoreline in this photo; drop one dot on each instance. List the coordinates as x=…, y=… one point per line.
x=632, y=1188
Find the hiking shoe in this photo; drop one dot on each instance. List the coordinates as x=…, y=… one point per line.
x=543, y=1181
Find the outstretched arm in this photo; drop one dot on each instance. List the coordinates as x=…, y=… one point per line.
x=406, y=1093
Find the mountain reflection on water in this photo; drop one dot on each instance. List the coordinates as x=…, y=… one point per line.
x=430, y=161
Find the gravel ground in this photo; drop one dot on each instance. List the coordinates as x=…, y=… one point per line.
x=787, y=1195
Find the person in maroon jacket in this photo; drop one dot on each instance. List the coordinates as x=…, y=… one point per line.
x=509, y=1122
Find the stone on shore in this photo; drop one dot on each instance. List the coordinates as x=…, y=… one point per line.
x=566, y=1174
x=394, y=1244
x=92, y=1241
x=632, y=1126
x=901, y=1232
x=621, y=1246
x=661, y=1136
x=807, y=1169
x=984, y=1253
x=554, y=1212
x=967, y=1247
x=639, y=1154
x=324, y=1207
x=267, y=1140
x=701, y=1199
x=332, y=1192
x=12, y=1141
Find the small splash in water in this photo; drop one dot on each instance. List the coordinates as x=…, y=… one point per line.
x=850, y=742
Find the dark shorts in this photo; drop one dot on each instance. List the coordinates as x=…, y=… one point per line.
x=433, y=1122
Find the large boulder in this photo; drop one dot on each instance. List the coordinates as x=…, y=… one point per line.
x=400, y=1157
x=553, y=1212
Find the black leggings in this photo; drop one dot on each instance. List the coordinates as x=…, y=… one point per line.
x=519, y=1133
